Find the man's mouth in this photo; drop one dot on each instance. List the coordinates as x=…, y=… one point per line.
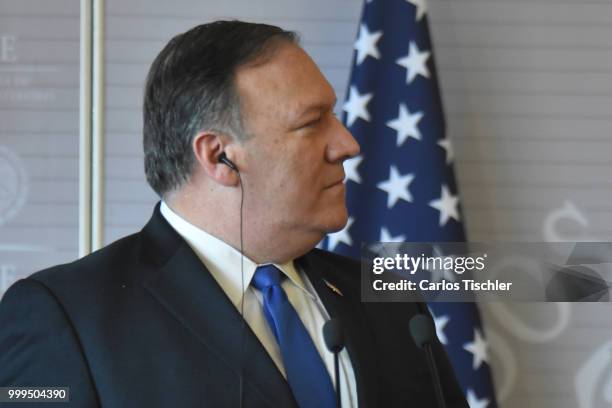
x=336, y=183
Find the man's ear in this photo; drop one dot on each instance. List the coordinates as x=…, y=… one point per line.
x=207, y=147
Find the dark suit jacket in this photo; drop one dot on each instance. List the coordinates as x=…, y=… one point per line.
x=142, y=323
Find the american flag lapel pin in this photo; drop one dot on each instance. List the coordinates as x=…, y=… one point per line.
x=333, y=288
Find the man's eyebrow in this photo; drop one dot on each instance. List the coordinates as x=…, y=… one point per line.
x=317, y=107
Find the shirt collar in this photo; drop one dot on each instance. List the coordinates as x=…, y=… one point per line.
x=224, y=261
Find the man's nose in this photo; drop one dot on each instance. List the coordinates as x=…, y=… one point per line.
x=343, y=145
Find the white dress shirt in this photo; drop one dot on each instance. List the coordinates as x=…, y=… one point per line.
x=224, y=263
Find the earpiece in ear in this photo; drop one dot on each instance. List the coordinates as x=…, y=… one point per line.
x=223, y=159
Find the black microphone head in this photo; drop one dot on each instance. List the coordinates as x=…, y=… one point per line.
x=332, y=333
x=422, y=330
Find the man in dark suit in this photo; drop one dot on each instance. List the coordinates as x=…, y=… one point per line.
x=220, y=300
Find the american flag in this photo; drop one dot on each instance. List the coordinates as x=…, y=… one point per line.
x=402, y=186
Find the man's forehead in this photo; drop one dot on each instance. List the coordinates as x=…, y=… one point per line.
x=287, y=77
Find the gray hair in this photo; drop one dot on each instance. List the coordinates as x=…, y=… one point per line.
x=190, y=87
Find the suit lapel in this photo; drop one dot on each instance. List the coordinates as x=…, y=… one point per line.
x=343, y=301
x=183, y=285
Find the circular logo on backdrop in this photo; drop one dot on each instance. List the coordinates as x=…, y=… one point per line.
x=593, y=380
x=13, y=185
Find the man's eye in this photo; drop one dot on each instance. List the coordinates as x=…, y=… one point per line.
x=311, y=123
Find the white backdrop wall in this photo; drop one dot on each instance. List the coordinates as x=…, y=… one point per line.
x=527, y=88
x=39, y=134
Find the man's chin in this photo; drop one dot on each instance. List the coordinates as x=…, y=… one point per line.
x=338, y=222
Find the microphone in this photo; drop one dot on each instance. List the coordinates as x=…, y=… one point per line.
x=423, y=333
x=334, y=341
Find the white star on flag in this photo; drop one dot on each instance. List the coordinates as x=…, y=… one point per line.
x=415, y=62
x=421, y=8
x=438, y=274
x=350, y=169
x=366, y=44
x=396, y=187
x=447, y=204
x=440, y=323
x=340, y=236
x=385, y=236
x=406, y=124
x=396, y=119
x=474, y=402
x=478, y=348
x=355, y=107
x=448, y=148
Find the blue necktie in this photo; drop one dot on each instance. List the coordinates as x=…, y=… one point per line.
x=306, y=373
